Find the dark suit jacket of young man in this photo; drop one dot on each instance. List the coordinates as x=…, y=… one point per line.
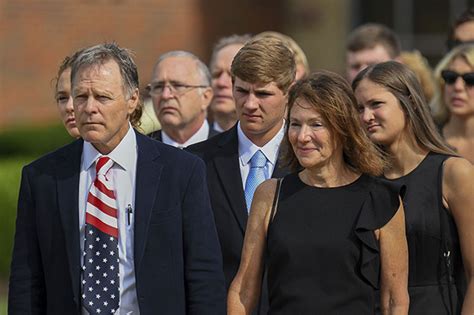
x=178, y=263
x=221, y=155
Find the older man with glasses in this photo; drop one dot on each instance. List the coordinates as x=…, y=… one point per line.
x=181, y=92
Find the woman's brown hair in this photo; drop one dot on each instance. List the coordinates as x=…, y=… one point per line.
x=331, y=96
x=399, y=80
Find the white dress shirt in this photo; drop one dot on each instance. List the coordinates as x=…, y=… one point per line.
x=199, y=136
x=217, y=127
x=124, y=174
x=247, y=149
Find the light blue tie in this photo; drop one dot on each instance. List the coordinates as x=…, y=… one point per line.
x=256, y=176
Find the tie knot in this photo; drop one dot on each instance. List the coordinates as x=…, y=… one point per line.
x=258, y=159
x=103, y=164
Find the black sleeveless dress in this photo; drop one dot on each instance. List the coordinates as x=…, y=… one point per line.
x=431, y=232
x=322, y=255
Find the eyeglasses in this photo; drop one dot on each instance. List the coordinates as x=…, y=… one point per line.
x=176, y=88
x=450, y=77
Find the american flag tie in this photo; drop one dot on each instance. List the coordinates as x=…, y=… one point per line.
x=100, y=277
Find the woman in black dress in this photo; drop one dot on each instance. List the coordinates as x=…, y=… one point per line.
x=439, y=200
x=337, y=232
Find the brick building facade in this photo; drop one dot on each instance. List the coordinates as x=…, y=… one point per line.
x=35, y=35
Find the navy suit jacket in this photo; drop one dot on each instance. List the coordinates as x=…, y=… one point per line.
x=178, y=265
x=221, y=155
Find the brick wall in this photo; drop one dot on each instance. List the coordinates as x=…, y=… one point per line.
x=35, y=35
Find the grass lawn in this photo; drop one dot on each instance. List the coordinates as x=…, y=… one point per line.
x=10, y=172
x=3, y=305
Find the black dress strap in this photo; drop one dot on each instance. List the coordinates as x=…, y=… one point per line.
x=275, y=200
x=445, y=241
x=265, y=271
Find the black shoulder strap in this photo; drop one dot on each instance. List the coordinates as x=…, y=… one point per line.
x=272, y=214
x=276, y=196
x=445, y=240
x=275, y=200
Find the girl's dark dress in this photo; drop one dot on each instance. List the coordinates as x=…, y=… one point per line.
x=322, y=255
x=431, y=233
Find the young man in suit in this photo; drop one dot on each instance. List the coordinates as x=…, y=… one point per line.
x=181, y=92
x=115, y=222
x=262, y=73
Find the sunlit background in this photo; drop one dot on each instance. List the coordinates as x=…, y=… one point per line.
x=35, y=35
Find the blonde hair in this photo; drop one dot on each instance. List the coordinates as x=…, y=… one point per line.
x=420, y=66
x=438, y=107
x=265, y=60
x=300, y=56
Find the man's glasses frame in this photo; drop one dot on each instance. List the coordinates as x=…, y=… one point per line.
x=176, y=88
x=450, y=77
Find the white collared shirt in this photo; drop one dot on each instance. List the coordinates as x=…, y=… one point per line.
x=124, y=174
x=247, y=149
x=217, y=127
x=199, y=136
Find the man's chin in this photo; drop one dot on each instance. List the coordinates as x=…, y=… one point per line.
x=91, y=136
x=224, y=108
x=169, y=120
x=252, y=128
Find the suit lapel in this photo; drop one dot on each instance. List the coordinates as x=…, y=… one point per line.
x=156, y=135
x=67, y=175
x=212, y=131
x=228, y=171
x=146, y=187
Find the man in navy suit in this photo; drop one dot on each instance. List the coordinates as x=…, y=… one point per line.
x=153, y=196
x=262, y=73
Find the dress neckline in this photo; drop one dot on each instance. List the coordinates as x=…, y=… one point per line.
x=412, y=171
x=354, y=182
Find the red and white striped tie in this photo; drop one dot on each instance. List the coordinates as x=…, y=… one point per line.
x=100, y=275
x=101, y=208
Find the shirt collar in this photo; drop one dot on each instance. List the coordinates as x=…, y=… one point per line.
x=123, y=154
x=200, y=135
x=217, y=127
x=247, y=148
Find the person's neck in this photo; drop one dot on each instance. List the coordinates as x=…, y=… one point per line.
x=459, y=127
x=404, y=156
x=106, y=148
x=260, y=139
x=183, y=134
x=335, y=173
x=225, y=120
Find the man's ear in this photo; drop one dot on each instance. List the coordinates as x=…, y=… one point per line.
x=207, y=96
x=133, y=100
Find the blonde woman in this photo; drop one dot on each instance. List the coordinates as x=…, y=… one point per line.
x=453, y=103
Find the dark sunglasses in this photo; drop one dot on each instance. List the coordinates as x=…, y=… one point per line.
x=450, y=77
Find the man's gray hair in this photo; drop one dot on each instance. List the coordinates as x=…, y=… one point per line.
x=100, y=54
x=203, y=71
x=227, y=41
